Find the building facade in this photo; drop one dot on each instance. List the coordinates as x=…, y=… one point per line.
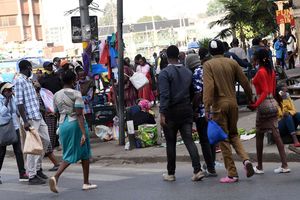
x=20, y=20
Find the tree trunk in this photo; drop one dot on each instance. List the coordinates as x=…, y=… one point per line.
x=242, y=37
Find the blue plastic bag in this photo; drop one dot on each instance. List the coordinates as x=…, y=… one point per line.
x=215, y=133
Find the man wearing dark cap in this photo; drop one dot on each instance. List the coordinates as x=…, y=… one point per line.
x=50, y=80
x=220, y=77
x=176, y=112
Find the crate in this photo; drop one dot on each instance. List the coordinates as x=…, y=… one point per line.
x=103, y=114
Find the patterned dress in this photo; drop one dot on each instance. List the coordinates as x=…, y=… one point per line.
x=198, y=88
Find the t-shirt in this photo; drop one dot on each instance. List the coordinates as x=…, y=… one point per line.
x=239, y=52
x=290, y=44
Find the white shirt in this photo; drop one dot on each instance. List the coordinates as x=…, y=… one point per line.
x=239, y=52
x=290, y=44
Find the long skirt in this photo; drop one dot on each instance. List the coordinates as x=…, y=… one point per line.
x=70, y=137
x=51, y=122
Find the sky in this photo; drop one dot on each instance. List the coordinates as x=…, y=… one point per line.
x=133, y=9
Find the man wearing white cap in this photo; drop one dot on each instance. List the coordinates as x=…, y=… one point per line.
x=220, y=77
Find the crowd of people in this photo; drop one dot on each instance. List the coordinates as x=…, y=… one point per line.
x=191, y=87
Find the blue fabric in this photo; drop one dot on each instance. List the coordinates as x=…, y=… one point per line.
x=215, y=133
x=289, y=124
x=280, y=49
x=70, y=137
x=98, y=69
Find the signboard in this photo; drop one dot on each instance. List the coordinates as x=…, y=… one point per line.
x=76, y=29
x=285, y=17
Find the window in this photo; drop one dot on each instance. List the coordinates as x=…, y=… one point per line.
x=8, y=21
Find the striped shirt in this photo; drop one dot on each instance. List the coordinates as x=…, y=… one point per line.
x=25, y=94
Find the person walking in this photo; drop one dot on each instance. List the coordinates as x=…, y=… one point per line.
x=51, y=82
x=193, y=62
x=8, y=111
x=73, y=131
x=290, y=41
x=219, y=96
x=176, y=113
x=280, y=47
x=29, y=109
x=266, y=118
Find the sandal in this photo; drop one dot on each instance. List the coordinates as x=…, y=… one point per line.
x=229, y=180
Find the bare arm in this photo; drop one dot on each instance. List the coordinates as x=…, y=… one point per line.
x=80, y=118
x=21, y=109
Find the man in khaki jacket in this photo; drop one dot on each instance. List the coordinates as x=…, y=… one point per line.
x=220, y=77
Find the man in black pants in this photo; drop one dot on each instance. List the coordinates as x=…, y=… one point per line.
x=176, y=113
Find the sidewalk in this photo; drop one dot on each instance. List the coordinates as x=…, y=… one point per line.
x=112, y=152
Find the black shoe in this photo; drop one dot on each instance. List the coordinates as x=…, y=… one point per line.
x=54, y=168
x=41, y=175
x=36, y=181
x=23, y=178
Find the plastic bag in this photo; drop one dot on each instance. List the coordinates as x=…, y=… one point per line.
x=47, y=97
x=148, y=134
x=215, y=133
x=138, y=80
x=103, y=132
x=33, y=143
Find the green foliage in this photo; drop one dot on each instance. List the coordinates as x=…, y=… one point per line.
x=214, y=7
x=204, y=42
x=247, y=18
x=109, y=14
x=149, y=19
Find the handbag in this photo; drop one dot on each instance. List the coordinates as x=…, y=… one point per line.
x=138, y=80
x=215, y=133
x=33, y=143
x=8, y=134
x=47, y=97
x=268, y=108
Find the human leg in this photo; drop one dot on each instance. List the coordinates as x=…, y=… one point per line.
x=279, y=144
x=19, y=155
x=170, y=132
x=186, y=134
x=207, y=149
x=86, y=171
x=2, y=155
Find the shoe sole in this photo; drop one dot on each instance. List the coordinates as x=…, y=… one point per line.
x=52, y=185
x=23, y=180
x=30, y=183
x=199, y=178
x=250, y=170
x=92, y=188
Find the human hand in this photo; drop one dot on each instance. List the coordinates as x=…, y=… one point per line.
x=83, y=139
x=252, y=107
x=163, y=120
x=27, y=126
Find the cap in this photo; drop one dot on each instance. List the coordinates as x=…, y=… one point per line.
x=47, y=63
x=63, y=62
x=5, y=85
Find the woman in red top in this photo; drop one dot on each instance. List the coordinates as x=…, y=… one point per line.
x=266, y=118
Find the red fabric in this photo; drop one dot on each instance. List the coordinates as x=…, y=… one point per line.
x=105, y=55
x=146, y=91
x=265, y=84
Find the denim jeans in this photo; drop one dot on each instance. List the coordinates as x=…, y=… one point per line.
x=288, y=124
x=208, y=151
x=18, y=154
x=185, y=129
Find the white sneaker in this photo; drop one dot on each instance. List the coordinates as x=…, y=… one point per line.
x=257, y=171
x=198, y=176
x=89, y=186
x=168, y=177
x=282, y=170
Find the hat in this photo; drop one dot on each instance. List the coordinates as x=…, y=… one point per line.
x=47, y=63
x=216, y=47
x=192, y=60
x=145, y=105
x=64, y=62
x=5, y=85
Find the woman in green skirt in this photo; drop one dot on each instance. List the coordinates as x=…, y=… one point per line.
x=73, y=131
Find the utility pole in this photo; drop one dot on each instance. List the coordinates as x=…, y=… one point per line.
x=85, y=23
x=121, y=71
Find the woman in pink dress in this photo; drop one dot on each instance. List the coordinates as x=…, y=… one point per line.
x=146, y=91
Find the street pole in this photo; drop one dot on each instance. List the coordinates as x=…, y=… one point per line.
x=121, y=71
x=85, y=25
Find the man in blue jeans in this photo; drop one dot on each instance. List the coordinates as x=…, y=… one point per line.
x=176, y=113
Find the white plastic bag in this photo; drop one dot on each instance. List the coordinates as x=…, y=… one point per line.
x=103, y=132
x=138, y=80
x=47, y=97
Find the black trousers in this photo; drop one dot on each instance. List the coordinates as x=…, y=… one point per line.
x=18, y=153
x=291, y=61
x=185, y=129
x=208, y=151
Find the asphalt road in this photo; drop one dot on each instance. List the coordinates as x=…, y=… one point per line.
x=143, y=182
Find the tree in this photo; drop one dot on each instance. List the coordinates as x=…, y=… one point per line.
x=246, y=19
x=214, y=7
x=149, y=19
x=109, y=14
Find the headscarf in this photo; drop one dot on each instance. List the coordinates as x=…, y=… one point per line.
x=145, y=105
